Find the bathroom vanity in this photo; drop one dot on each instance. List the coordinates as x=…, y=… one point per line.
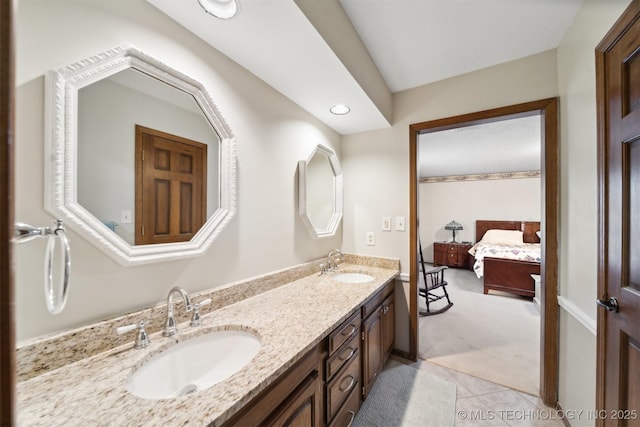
x=327, y=386
x=323, y=343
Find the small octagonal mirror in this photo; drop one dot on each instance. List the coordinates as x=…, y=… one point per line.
x=320, y=192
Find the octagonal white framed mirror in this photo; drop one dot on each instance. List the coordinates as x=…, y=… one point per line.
x=320, y=192
x=138, y=159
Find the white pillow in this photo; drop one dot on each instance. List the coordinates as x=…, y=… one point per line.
x=503, y=237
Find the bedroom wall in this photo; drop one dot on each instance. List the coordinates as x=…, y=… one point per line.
x=468, y=201
x=272, y=134
x=579, y=215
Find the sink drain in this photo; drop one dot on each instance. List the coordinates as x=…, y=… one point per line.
x=188, y=389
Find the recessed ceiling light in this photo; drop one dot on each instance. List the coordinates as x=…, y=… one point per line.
x=340, y=109
x=223, y=9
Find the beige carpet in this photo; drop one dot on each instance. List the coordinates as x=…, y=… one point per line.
x=409, y=397
x=495, y=337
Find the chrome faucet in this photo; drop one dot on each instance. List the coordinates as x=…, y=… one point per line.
x=333, y=265
x=170, y=324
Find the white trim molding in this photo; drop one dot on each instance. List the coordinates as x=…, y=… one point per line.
x=575, y=312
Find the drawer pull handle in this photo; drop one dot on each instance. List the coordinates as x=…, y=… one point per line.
x=353, y=417
x=349, y=386
x=351, y=353
x=350, y=333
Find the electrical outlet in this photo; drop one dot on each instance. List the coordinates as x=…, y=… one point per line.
x=400, y=223
x=386, y=223
x=371, y=238
x=125, y=217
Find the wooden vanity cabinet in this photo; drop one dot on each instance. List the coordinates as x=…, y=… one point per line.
x=295, y=399
x=302, y=408
x=343, y=372
x=328, y=387
x=378, y=332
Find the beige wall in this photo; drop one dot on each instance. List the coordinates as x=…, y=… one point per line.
x=466, y=202
x=579, y=220
x=272, y=135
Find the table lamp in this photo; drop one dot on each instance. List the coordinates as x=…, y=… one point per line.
x=453, y=226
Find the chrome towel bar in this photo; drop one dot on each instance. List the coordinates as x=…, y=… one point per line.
x=55, y=296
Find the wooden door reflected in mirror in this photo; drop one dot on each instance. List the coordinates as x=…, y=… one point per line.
x=171, y=187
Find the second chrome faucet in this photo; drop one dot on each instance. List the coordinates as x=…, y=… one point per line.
x=332, y=261
x=333, y=258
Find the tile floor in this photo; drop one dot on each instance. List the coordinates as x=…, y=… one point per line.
x=483, y=403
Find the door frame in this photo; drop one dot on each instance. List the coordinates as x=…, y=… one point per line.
x=628, y=17
x=7, y=327
x=550, y=195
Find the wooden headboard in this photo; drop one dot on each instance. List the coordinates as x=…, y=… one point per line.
x=528, y=228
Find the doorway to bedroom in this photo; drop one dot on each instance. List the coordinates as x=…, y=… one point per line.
x=499, y=164
x=488, y=171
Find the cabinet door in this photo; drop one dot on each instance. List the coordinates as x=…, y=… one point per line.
x=388, y=326
x=302, y=409
x=296, y=398
x=372, y=350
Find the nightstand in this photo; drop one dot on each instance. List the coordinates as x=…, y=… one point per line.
x=452, y=254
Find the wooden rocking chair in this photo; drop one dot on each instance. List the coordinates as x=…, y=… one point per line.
x=433, y=280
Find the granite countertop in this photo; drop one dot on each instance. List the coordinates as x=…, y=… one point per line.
x=289, y=320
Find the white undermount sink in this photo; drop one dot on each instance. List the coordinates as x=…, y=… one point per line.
x=194, y=365
x=353, y=278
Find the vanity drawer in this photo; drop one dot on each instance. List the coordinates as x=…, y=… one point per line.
x=346, y=414
x=344, y=332
x=347, y=352
x=341, y=386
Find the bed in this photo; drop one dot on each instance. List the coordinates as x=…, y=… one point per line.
x=513, y=273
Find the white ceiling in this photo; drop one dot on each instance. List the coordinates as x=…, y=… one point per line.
x=511, y=145
x=308, y=49
x=414, y=42
x=359, y=52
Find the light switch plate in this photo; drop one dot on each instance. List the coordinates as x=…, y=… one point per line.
x=400, y=223
x=386, y=223
x=371, y=238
